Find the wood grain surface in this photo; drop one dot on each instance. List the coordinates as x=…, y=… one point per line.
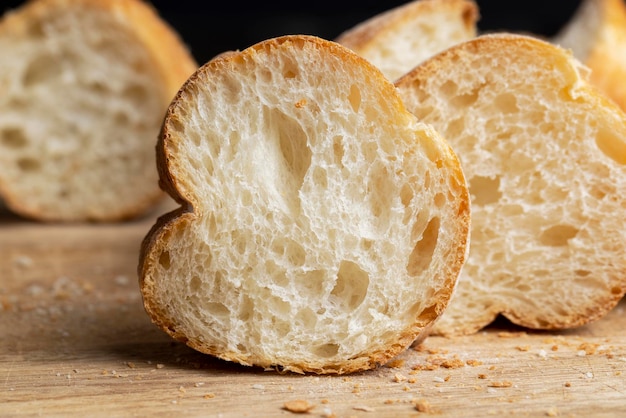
x=75, y=341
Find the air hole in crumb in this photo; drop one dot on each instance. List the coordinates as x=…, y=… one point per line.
x=406, y=194
x=14, y=138
x=320, y=178
x=440, y=200
x=506, y=103
x=352, y=285
x=121, y=118
x=455, y=127
x=195, y=284
x=326, y=350
x=136, y=93
x=338, y=150
x=355, y=98
x=217, y=309
x=449, y=88
x=28, y=164
x=558, y=235
x=164, y=260
x=464, y=100
x=485, y=190
x=423, y=252
x=611, y=145
x=41, y=70
x=246, y=198
x=293, y=143
x=290, y=72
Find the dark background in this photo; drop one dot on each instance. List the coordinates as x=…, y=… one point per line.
x=209, y=27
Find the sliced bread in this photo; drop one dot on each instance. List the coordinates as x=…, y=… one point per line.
x=85, y=85
x=544, y=154
x=322, y=227
x=401, y=38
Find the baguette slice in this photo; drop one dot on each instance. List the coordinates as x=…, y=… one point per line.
x=597, y=36
x=401, y=38
x=85, y=85
x=544, y=154
x=322, y=227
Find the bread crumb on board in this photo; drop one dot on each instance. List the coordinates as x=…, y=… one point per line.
x=422, y=405
x=298, y=406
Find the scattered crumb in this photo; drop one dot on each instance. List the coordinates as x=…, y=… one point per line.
x=324, y=401
x=23, y=261
x=130, y=364
x=552, y=412
x=474, y=363
x=258, y=387
x=412, y=380
x=363, y=408
x=506, y=334
x=588, y=348
x=121, y=280
x=160, y=366
x=555, y=347
x=523, y=347
x=300, y=103
x=504, y=384
x=422, y=405
x=568, y=385
x=453, y=364
x=199, y=384
x=298, y=406
x=209, y=396
x=482, y=376
x=399, y=378
x=395, y=364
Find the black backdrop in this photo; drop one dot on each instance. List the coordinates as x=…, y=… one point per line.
x=210, y=27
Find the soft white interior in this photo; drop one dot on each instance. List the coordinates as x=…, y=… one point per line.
x=396, y=50
x=546, y=171
x=325, y=217
x=80, y=110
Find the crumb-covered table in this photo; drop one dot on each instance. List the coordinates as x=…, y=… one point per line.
x=75, y=340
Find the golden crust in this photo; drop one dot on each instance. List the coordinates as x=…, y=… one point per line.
x=362, y=36
x=173, y=183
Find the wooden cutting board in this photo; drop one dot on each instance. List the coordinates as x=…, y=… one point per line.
x=75, y=341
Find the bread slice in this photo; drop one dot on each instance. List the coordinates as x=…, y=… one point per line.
x=322, y=226
x=544, y=154
x=597, y=36
x=401, y=38
x=85, y=85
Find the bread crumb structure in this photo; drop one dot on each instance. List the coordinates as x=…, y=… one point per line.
x=85, y=85
x=322, y=226
x=544, y=154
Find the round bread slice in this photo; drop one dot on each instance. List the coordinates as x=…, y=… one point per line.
x=544, y=154
x=85, y=86
x=401, y=38
x=596, y=35
x=322, y=227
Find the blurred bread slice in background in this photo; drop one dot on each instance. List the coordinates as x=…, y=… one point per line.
x=401, y=38
x=85, y=85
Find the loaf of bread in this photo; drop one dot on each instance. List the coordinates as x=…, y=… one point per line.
x=597, y=36
x=401, y=38
x=322, y=227
x=544, y=155
x=85, y=85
